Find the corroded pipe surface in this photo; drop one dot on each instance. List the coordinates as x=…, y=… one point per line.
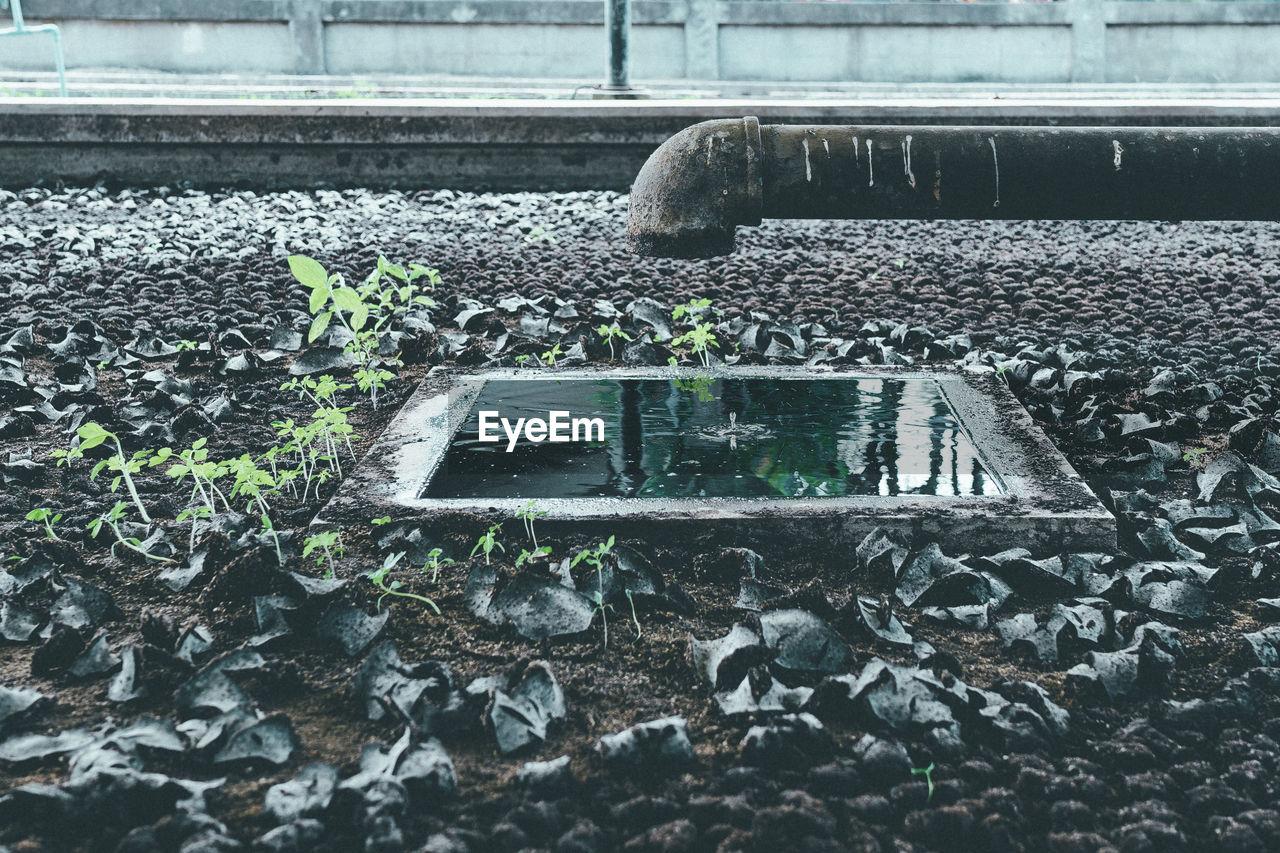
x=713, y=176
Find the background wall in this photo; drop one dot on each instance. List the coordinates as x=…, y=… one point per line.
x=1233, y=41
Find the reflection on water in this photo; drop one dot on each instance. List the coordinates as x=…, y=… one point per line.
x=728, y=438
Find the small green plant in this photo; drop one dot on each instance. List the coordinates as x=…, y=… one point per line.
x=523, y=360
x=527, y=556
x=594, y=557
x=634, y=618
x=1194, y=457
x=48, y=518
x=611, y=332
x=551, y=355
x=690, y=308
x=538, y=235
x=252, y=482
x=326, y=546
x=927, y=772
x=388, y=292
x=701, y=338
x=529, y=513
x=111, y=519
x=378, y=577
x=487, y=542
x=92, y=435
x=372, y=380
x=185, y=346
x=194, y=462
x=435, y=562
x=313, y=447
x=379, y=522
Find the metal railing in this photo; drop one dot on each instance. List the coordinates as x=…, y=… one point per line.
x=20, y=28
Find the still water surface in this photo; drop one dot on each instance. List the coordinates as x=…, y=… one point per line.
x=722, y=438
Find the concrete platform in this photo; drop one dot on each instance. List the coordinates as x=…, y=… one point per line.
x=1045, y=505
x=476, y=144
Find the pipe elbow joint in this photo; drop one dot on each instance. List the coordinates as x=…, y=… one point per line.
x=696, y=189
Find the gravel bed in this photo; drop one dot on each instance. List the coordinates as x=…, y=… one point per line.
x=222, y=702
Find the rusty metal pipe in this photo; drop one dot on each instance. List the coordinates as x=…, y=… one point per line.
x=709, y=178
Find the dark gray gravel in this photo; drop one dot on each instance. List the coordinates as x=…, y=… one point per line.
x=1185, y=759
x=1145, y=294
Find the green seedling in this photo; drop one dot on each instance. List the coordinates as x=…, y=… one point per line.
x=594, y=557
x=252, y=482
x=321, y=390
x=314, y=448
x=690, y=308
x=185, y=346
x=528, y=514
x=331, y=417
x=91, y=435
x=373, y=380
x=927, y=772
x=388, y=292
x=435, y=562
x=379, y=522
x=378, y=577
x=1194, y=457
x=48, y=518
x=634, y=618
x=523, y=360
x=538, y=235
x=193, y=514
x=701, y=339
x=326, y=546
x=551, y=355
x=194, y=462
x=527, y=556
x=611, y=332
x=112, y=519
x=488, y=542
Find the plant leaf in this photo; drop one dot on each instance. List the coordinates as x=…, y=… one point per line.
x=347, y=299
x=359, y=316
x=91, y=435
x=318, y=325
x=308, y=271
x=319, y=297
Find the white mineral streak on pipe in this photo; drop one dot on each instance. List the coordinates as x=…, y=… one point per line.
x=871, y=169
x=827, y=148
x=710, y=143
x=906, y=162
x=1115, y=143
x=995, y=160
x=808, y=170
x=857, y=155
